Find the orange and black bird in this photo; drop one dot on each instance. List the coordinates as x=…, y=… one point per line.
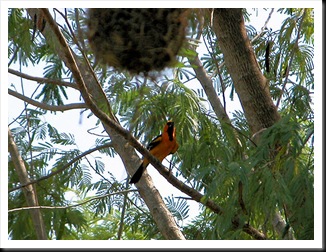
x=160, y=147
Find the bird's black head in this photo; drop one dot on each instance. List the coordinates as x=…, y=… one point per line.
x=170, y=129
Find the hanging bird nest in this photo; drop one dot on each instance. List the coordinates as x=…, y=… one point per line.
x=137, y=40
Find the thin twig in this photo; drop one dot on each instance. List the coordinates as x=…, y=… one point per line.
x=264, y=27
x=295, y=46
x=123, y=212
x=70, y=206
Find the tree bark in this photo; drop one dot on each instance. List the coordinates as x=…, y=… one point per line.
x=250, y=84
x=161, y=215
x=29, y=192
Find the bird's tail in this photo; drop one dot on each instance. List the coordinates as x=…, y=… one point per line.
x=136, y=177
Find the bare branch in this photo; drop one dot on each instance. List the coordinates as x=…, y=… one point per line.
x=263, y=28
x=47, y=106
x=206, y=83
x=42, y=80
x=29, y=192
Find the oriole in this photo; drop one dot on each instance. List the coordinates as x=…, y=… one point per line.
x=160, y=147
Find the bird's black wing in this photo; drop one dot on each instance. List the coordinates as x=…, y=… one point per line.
x=154, y=142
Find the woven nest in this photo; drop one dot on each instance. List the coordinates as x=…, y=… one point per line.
x=137, y=40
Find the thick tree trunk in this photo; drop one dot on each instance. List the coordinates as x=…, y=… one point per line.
x=161, y=215
x=29, y=192
x=249, y=82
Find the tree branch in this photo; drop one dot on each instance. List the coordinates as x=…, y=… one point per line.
x=206, y=83
x=217, y=68
x=27, y=183
x=123, y=212
x=263, y=28
x=29, y=192
x=219, y=110
x=47, y=106
x=249, y=83
x=42, y=80
x=70, y=206
x=296, y=45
